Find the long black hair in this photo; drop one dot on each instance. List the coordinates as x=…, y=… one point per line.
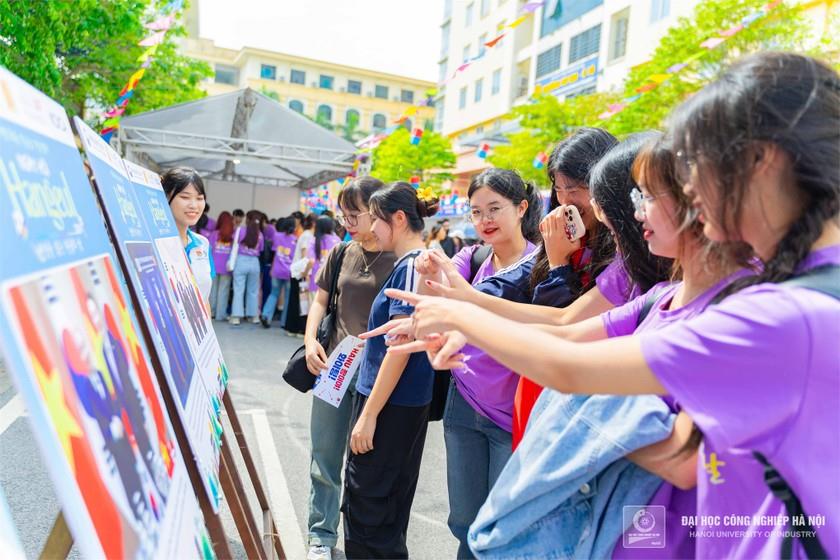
x=286, y=225
x=324, y=226
x=510, y=185
x=392, y=198
x=785, y=99
x=253, y=230
x=573, y=157
x=610, y=183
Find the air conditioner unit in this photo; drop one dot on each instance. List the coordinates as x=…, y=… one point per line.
x=313, y=84
x=281, y=79
x=396, y=98
x=369, y=94
x=342, y=90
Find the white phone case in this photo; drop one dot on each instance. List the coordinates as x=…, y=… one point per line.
x=574, y=225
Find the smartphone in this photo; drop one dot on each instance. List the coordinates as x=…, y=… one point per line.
x=574, y=225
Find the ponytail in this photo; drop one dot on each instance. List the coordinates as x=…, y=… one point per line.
x=401, y=196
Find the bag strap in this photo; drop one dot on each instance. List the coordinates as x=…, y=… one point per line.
x=650, y=300
x=332, y=297
x=477, y=259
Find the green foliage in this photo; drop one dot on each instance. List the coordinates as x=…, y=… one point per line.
x=270, y=93
x=396, y=159
x=350, y=130
x=547, y=120
x=82, y=53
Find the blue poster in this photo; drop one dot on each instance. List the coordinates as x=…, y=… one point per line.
x=70, y=340
x=167, y=328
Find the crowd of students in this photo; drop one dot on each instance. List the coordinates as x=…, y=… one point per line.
x=680, y=356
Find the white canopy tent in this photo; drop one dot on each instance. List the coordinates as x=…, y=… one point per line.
x=237, y=137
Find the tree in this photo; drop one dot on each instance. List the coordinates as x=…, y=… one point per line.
x=350, y=131
x=82, y=53
x=396, y=159
x=547, y=120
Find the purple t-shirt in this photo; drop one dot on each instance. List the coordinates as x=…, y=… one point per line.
x=248, y=251
x=283, y=246
x=327, y=243
x=488, y=386
x=623, y=321
x=614, y=283
x=760, y=372
x=221, y=252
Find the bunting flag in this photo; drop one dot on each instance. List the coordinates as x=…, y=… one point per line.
x=493, y=42
x=540, y=160
x=483, y=150
x=415, y=181
x=160, y=26
x=416, y=136
x=518, y=21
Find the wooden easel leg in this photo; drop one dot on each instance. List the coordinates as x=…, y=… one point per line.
x=59, y=541
x=270, y=534
x=238, y=502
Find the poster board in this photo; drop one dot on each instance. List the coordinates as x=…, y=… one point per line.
x=167, y=325
x=69, y=339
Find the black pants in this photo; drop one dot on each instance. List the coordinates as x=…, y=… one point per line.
x=379, y=485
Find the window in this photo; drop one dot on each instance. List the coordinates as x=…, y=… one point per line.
x=442, y=67
x=618, y=34
x=462, y=98
x=583, y=91
x=496, y=85
x=548, y=61
x=468, y=16
x=296, y=106
x=485, y=7
x=298, y=77
x=226, y=75
x=482, y=48
x=659, y=9
x=439, y=113
x=447, y=9
x=378, y=121
x=351, y=117
x=557, y=15
x=268, y=72
x=466, y=53
x=479, y=85
x=585, y=43
x=407, y=124
x=479, y=130
x=324, y=113
x=381, y=92
x=325, y=82
x=407, y=96
x=354, y=86
x=444, y=40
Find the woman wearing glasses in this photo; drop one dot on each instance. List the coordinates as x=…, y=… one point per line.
x=364, y=268
x=477, y=419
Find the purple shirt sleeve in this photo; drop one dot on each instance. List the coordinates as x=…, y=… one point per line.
x=624, y=319
x=746, y=358
x=462, y=260
x=614, y=283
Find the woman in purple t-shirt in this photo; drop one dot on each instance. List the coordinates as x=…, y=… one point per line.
x=246, y=273
x=758, y=372
x=221, y=241
x=320, y=246
x=283, y=245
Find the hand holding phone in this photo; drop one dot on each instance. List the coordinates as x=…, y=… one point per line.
x=573, y=223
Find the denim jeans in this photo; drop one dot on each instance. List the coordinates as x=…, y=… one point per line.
x=246, y=285
x=271, y=302
x=476, y=452
x=220, y=296
x=329, y=432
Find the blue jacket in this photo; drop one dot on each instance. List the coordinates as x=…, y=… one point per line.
x=561, y=493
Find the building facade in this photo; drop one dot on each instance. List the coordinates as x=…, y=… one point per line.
x=329, y=93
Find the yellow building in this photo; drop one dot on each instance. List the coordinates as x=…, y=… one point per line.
x=330, y=93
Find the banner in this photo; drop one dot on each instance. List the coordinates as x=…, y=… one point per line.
x=72, y=347
x=168, y=329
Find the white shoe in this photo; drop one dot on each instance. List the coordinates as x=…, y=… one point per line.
x=319, y=552
x=233, y=320
x=255, y=320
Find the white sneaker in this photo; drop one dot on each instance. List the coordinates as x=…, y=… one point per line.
x=233, y=320
x=319, y=552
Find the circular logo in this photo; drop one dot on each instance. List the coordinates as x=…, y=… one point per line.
x=644, y=521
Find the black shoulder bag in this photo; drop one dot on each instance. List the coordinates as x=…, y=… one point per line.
x=443, y=377
x=297, y=374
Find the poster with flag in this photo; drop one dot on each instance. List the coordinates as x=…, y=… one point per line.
x=69, y=338
x=196, y=405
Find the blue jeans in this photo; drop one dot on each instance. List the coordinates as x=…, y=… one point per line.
x=246, y=285
x=476, y=452
x=271, y=302
x=220, y=295
x=329, y=432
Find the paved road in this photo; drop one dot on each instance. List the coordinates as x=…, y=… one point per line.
x=275, y=419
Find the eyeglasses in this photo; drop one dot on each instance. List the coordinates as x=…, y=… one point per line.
x=350, y=219
x=686, y=165
x=476, y=215
x=639, y=199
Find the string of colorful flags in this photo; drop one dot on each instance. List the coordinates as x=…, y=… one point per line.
x=159, y=27
x=655, y=80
